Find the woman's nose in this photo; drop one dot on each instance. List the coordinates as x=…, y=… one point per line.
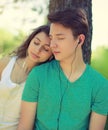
x=38, y=49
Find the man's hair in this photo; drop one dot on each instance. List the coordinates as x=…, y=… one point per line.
x=75, y=19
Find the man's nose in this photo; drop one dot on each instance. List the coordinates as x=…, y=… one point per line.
x=53, y=43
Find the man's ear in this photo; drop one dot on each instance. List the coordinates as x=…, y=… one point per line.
x=81, y=38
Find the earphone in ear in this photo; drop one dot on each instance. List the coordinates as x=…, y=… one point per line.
x=79, y=41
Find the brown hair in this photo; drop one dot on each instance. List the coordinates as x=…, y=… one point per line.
x=74, y=18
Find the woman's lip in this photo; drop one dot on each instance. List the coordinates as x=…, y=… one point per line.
x=34, y=55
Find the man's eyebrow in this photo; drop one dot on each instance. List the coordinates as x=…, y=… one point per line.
x=58, y=34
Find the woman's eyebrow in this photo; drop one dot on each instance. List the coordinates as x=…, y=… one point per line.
x=37, y=39
x=59, y=34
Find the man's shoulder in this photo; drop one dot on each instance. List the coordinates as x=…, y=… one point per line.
x=45, y=66
x=96, y=75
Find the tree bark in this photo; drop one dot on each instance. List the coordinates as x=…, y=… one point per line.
x=55, y=5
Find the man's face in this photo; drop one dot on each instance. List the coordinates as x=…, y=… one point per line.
x=63, y=43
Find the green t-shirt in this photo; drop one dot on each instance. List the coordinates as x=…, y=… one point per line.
x=65, y=105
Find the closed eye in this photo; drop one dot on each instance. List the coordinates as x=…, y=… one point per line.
x=60, y=38
x=46, y=48
x=36, y=43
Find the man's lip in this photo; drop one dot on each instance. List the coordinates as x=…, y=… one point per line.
x=56, y=52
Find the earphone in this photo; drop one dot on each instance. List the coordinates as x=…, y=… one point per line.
x=79, y=41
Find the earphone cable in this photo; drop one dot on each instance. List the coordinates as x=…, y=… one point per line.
x=62, y=95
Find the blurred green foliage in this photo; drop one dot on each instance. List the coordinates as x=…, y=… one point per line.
x=99, y=60
x=9, y=41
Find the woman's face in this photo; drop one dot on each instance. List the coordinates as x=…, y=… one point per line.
x=39, y=48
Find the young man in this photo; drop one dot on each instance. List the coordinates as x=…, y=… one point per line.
x=66, y=93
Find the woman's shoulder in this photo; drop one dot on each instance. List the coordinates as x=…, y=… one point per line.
x=3, y=62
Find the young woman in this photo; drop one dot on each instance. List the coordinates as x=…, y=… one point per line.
x=68, y=94
x=13, y=73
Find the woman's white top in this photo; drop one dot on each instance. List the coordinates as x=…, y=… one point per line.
x=10, y=99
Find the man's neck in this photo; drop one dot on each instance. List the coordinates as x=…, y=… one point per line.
x=73, y=68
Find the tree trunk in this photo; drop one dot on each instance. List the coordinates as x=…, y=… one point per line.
x=55, y=5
